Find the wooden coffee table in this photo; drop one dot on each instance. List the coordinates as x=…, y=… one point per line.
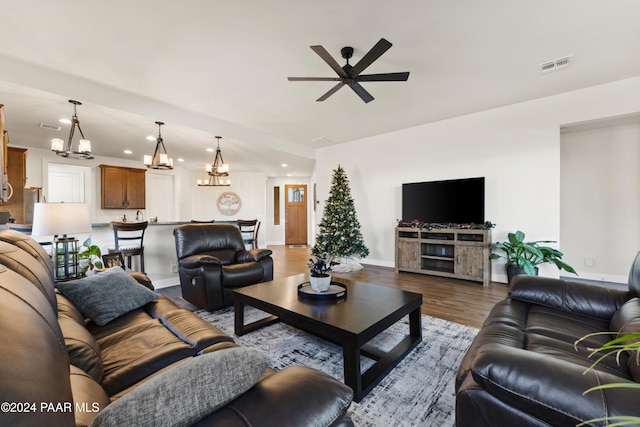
x=351, y=322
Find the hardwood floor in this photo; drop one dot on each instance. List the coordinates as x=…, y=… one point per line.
x=458, y=301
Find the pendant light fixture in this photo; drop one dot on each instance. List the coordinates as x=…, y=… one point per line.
x=84, y=145
x=218, y=172
x=160, y=159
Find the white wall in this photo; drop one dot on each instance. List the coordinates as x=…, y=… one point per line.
x=248, y=185
x=600, y=197
x=276, y=233
x=37, y=166
x=517, y=149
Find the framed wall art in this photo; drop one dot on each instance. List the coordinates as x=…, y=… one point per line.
x=228, y=203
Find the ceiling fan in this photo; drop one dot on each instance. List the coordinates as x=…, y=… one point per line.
x=350, y=75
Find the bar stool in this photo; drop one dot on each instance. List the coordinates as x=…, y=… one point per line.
x=129, y=240
x=249, y=229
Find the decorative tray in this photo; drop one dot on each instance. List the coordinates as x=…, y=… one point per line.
x=336, y=291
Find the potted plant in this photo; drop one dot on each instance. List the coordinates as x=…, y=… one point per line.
x=89, y=256
x=320, y=266
x=524, y=257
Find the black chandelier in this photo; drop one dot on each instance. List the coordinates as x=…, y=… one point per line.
x=160, y=159
x=84, y=145
x=217, y=171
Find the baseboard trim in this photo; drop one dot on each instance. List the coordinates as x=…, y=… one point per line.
x=165, y=282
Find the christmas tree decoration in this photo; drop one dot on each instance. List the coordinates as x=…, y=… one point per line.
x=339, y=233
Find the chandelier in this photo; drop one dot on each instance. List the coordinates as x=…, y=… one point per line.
x=84, y=145
x=217, y=171
x=160, y=158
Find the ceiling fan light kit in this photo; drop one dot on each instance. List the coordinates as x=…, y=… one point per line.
x=84, y=145
x=351, y=75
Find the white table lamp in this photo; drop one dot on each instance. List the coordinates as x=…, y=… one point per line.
x=60, y=220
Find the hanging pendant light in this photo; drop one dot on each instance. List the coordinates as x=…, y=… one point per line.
x=84, y=145
x=218, y=172
x=160, y=159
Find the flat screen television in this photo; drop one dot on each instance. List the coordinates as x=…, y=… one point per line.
x=456, y=201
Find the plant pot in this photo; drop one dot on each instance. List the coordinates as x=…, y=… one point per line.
x=513, y=271
x=320, y=283
x=83, y=265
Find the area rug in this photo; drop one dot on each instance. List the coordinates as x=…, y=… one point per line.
x=417, y=392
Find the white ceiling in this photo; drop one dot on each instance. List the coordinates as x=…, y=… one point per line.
x=209, y=68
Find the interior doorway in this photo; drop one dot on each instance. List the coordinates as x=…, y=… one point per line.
x=67, y=183
x=295, y=214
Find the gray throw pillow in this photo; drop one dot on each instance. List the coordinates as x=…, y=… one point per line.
x=187, y=392
x=107, y=295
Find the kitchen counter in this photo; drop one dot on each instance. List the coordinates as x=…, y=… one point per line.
x=106, y=224
x=159, y=247
x=160, y=259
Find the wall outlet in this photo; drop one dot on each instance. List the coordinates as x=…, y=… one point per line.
x=174, y=267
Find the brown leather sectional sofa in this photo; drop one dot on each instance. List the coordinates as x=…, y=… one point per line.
x=57, y=368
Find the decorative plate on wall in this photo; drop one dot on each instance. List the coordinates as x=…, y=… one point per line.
x=228, y=203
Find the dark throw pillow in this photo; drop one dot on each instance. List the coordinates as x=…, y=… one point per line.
x=187, y=392
x=107, y=295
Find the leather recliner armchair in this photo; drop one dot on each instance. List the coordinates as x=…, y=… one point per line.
x=212, y=261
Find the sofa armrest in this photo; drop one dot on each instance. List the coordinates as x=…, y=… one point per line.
x=551, y=389
x=570, y=296
x=253, y=255
x=284, y=399
x=195, y=261
x=142, y=278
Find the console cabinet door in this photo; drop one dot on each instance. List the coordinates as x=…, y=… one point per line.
x=122, y=188
x=408, y=255
x=470, y=261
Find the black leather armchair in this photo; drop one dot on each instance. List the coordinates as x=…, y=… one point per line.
x=212, y=260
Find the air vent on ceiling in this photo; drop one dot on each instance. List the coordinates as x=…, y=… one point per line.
x=556, y=64
x=50, y=127
x=321, y=140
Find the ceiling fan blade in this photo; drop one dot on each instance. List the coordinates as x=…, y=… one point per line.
x=385, y=77
x=376, y=52
x=362, y=93
x=322, y=52
x=331, y=92
x=314, y=79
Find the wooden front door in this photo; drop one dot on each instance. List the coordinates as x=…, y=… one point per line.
x=295, y=214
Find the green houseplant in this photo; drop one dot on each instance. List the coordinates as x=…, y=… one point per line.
x=524, y=257
x=89, y=256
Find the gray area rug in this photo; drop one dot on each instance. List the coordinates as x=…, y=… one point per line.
x=417, y=392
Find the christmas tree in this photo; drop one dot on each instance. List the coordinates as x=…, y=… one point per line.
x=340, y=233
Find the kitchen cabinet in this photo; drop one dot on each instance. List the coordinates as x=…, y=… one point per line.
x=122, y=187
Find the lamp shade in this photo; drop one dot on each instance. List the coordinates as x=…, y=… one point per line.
x=84, y=146
x=50, y=219
x=57, y=144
